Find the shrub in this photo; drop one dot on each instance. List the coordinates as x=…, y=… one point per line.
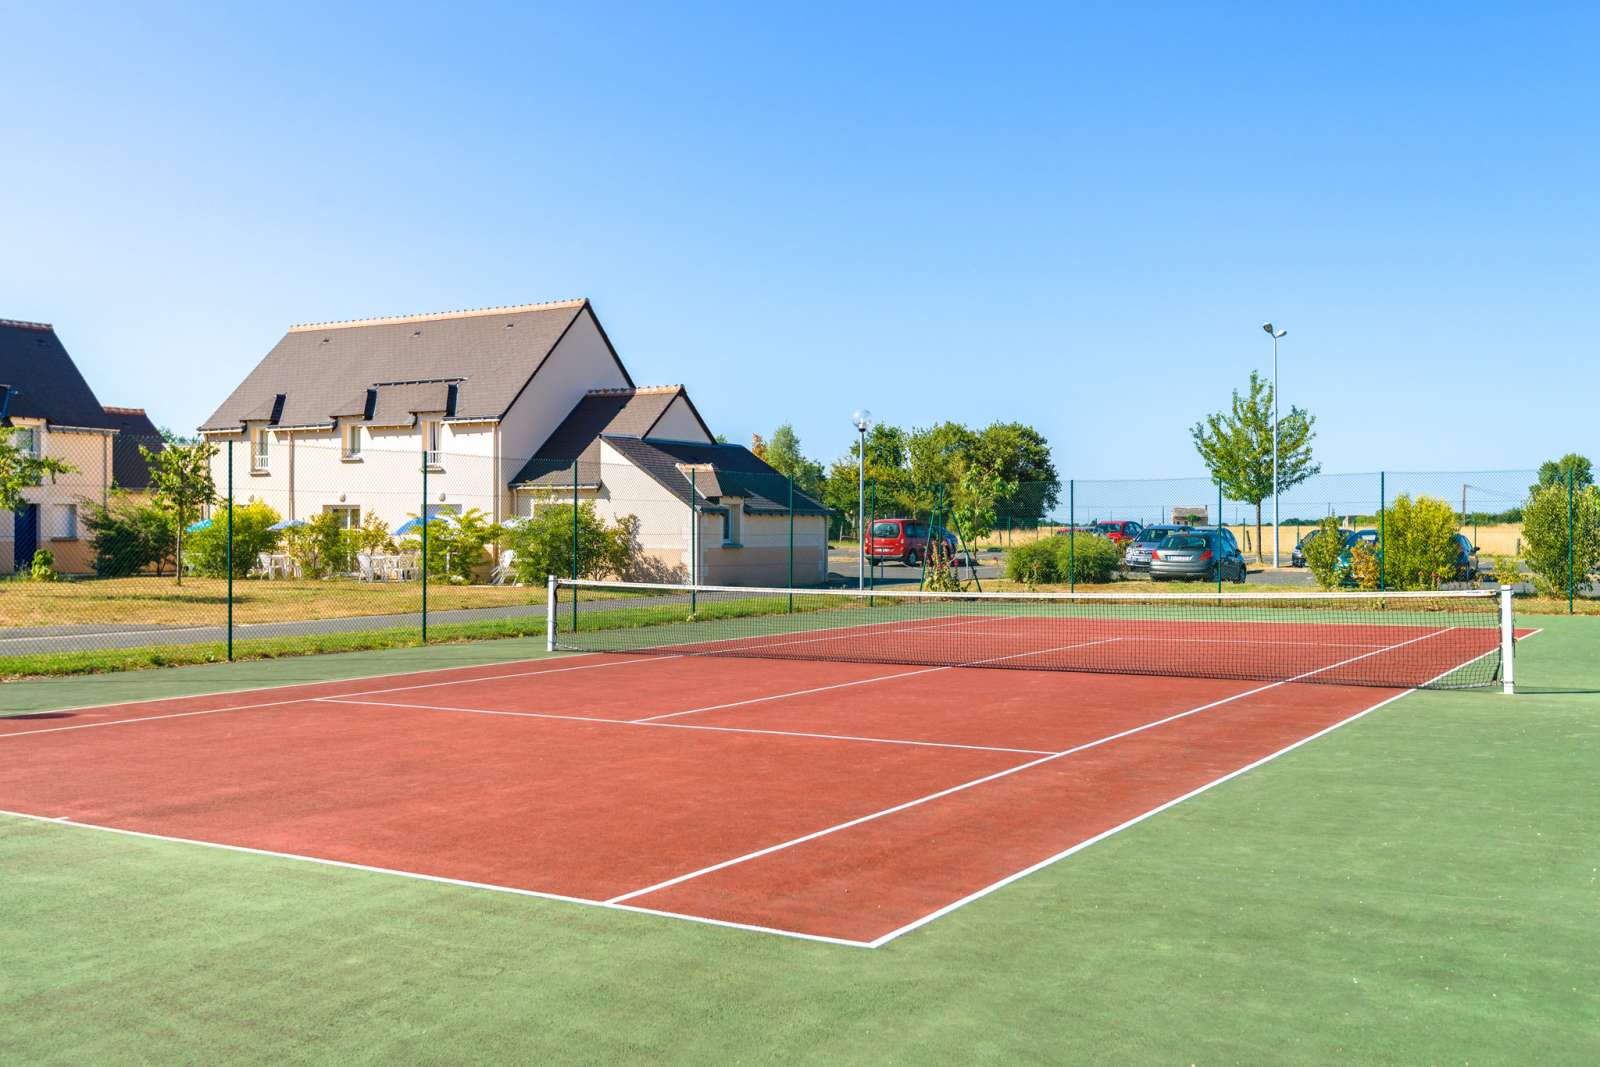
x=456, y=549
x=1419, y=543
x=1365, y=571
x=129, y=537
x=1323, y=552
x=941, y=575
x=43, y=567
x=1088, y=558
x=322, y=547
x=543, y=544
x=1544, y=531
x=205, y=552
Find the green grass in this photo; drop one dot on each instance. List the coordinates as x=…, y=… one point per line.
x=1418, y=887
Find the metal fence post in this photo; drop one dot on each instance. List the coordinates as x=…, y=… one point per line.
x=791, y=542
x=1072, y=536
x=1571, y=555
x=424, y=539
x=694, y=547
x=872, y=562
x=1220, y=528
x=1383, y=541
x=574, y=566
x=230, y=551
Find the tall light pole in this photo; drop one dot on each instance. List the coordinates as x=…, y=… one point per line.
x=862, y=419
x=1276, y=335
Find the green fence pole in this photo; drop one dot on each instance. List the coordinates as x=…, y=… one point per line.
x=791, y=543
x=1072, y=536
x=574, y=563
x=1383, y=542
x=872, y=561
x=694, y=547
x=424, y=540
x=230, y=551
x=1571, y=575
x=1220, y=528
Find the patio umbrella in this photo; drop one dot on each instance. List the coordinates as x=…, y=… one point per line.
x=413, y=525
x=287, y=524
x=195, y=527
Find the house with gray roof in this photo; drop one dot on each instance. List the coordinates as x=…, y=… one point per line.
x=49, y=409
x=504, y=409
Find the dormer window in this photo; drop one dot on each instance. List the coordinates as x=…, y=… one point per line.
x=261, y=449
x=432, y=442
x=352, y=441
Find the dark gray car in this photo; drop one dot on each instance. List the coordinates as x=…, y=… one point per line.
x=1197, y=555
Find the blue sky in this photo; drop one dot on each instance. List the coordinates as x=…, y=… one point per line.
x=1076, y=218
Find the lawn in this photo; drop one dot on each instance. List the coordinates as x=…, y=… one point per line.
x=1416, y=887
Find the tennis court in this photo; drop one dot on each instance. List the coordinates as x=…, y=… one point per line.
x=843, y=769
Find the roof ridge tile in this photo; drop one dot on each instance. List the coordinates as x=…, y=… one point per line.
x=436, y=316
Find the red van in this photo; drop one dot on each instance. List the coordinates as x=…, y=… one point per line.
x=905, y=540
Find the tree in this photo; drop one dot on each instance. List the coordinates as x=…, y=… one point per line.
x=20, y=469
x=1020, y=454
x=885, y=468
x=129, y=536
x=207, y=550
x=181, y=483
x=1236, y=447
x=783, y=455
x=1544, y=531
x=1323, y=548
x=1556, y=471
x=542, y=544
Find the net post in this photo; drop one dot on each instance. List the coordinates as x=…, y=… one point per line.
x=550, y=613
x=230, y=550
x=1508, y=644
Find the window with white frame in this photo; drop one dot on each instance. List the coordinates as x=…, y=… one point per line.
x=733, y=522
x=433, y=442
x=26, y=440
x=66, y=522
x=349, y=515
x=260, y=448
x=352, y=441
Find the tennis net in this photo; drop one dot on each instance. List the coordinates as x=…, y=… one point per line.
x=1449, y=639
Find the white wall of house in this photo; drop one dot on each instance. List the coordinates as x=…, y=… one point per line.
x=678, y=423
x=579, y=363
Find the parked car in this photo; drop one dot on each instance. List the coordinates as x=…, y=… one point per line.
x=1138, y=554
x=1118, y=531
x=1466, y=561
x=1198, y=554
x=904, y=540
x=1297, y=558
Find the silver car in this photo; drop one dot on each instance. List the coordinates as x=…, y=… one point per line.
x=1138, y=555
x=1197, y=555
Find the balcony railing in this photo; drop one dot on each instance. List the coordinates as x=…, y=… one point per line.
x=434, y=458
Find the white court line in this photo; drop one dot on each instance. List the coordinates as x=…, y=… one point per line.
x=1158, y=809
x=64, y=821
x=868, y=681
x=437, y=879
x=680, y=725
x=825, y=831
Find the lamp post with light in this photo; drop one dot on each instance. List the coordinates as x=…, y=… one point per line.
x=1276, y=335
x=862, y=418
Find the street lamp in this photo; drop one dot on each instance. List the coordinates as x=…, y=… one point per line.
x=1276, y=335
x=862, y=418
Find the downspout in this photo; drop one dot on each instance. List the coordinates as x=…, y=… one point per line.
x=289, y=436
x=495, y=486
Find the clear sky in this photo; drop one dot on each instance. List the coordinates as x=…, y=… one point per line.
x=1076, y=217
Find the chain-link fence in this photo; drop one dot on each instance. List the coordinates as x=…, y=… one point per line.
x=311, y=545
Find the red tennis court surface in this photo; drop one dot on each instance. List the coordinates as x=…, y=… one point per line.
x=839, y=801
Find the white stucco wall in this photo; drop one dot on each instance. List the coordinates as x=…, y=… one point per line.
x=678, y=423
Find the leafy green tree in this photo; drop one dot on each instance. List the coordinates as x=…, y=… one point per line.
x=206, y=553
x=783, y=454
x=1556, y=471
x=181, y=483
x=1236, y=446
x=1323, y=552
x=886, y=467
x=20, y=469
x=130, y=535
x=542, y=544
x=1020, y=454
x=1419, y=543
x=1544, y=533
x=322, y=547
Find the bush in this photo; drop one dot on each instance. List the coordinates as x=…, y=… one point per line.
x=543, y=544
x=129, y=537
x=456, y=549
x=205, y=552
x=322, y=548
x=1086, y=558
x=1544, y=531
x=1419, y=543
x=1323, y=551
x=43, y=567
x=1365, y=570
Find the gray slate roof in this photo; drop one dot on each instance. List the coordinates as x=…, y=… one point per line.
x=134, y=428
x=389, y=369
x=35, y=363
x=734, y=471
x=625, y=412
